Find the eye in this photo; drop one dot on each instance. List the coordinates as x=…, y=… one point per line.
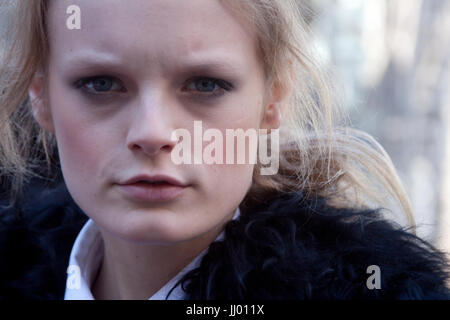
x=208, y=86
x=99, y=85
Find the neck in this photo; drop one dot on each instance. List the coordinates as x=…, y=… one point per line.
x=137, y=271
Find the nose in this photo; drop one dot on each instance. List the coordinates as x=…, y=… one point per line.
x=151, y=129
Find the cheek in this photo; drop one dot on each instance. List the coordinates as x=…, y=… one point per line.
x=81, y=145
x=225, y=182
x=226, y=185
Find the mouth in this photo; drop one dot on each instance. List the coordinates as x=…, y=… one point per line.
x=159, y=179
x=147, y=184
x=153, y=188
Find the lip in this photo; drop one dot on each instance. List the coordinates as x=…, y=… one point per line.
x=153, y=178
x=138, y=189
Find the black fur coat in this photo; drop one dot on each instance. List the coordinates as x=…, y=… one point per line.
x=287, y=248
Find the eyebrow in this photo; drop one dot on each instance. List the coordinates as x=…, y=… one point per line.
x=225, y=68
x=86, y=60
x=196, y=63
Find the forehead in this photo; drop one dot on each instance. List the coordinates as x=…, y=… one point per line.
x=165, y=31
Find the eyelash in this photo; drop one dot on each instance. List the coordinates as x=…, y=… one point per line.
x=223, y=85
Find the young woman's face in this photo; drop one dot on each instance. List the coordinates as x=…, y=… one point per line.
x=120, y=86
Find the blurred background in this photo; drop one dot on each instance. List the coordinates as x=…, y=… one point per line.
x=393, y=58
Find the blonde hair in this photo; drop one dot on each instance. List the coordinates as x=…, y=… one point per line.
x=319, y=154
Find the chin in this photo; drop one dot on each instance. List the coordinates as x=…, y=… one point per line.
x=155, y=233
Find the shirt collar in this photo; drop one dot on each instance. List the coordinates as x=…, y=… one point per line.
x=86, y=257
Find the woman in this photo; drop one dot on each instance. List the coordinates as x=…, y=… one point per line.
x=106, y=86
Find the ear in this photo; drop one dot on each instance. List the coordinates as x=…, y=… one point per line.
x=272, y=113
x=271, y=118
x=38, y=100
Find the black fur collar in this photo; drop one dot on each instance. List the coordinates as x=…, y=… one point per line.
x=287, y=248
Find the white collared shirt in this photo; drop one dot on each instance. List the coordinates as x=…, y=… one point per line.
x=86, y=257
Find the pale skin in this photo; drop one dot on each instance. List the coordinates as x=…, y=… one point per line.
x=145, y=47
